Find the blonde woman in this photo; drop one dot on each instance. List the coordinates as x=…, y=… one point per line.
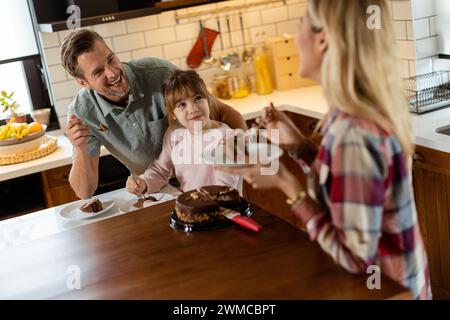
x=359, y=204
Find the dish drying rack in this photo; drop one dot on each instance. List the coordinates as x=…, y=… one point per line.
x=429, y=91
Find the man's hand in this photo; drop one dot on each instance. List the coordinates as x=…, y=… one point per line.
x=77, y=132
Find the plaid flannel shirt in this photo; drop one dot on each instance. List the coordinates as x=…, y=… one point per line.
x=363, y=185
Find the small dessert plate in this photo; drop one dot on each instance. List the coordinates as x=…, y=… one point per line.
x=135, y=204
x=72, y=211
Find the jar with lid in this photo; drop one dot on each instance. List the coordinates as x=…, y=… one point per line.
x=220, y=86
x=262, y=73
x=238, y=84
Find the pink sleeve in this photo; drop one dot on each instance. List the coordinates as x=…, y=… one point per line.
x=160, y=170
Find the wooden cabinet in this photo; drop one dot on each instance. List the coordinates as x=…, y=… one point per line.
x=285, y=63
x=274, y=200
x=56, y=187
x=431, y=179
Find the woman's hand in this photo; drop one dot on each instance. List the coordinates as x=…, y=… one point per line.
x=283, y=180
x=135, y=185
x=290, y=137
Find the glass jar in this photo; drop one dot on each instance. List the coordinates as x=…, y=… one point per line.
x=220, y=86
x=263, y=78
x=239, y=85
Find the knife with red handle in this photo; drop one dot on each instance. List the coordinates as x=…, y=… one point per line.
x=241, y=220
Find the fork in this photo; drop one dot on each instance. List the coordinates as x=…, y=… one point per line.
x=139, y=196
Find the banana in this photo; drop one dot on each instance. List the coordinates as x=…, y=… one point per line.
x=5, y=129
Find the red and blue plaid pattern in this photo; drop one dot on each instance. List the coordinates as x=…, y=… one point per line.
x=363, y=183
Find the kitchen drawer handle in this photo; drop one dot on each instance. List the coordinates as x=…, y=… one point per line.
x=418, y=157
x=290, y=74
x=286, y=41
x=288, y=58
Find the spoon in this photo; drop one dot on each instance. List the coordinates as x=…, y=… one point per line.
x=235, y=61
x=246, y=55
x=224, y=61
x=208, y=59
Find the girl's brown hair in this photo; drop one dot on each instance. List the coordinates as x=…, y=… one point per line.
x=182, y=84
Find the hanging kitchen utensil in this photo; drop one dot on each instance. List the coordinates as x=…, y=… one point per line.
x=232, y=56
x=208, y=59
x=202, y=48
x=246, y=54
x=223, y=61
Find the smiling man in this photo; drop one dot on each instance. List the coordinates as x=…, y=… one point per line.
x=121, y=106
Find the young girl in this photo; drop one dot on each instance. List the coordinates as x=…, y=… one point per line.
x=191, y=130
x=359, y=204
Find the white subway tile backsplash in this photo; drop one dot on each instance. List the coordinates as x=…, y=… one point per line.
x=142, y=24
x=129, y=42
x=49, y=39
x=156, y=52
x=251, y=19
x=274, y=15
x=421, y=28
x=57, y=73
x=67, y=89
x=187, y=31
x=406, y=49
x=166, y=19
x=296, y=11
x=433, y=26
x=401, y=10
x=423, y=8
x=260, y=34
x=52, y=56
x=124, y=56
x=426, y=47
x=160, y=36
x=404, y=68
x=440, y=64
x=290, y=27
x=178, y=49
x=111, y=29
x=400, y=30
x=64, y=33
x=109, y=43
x=423, y=66
x=409, y=30
x=61, y=106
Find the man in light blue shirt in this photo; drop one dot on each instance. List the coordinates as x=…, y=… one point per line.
x=121, y=106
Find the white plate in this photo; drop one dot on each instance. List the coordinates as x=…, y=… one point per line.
x=73, y=212
x=264, y=153
x=128, y=206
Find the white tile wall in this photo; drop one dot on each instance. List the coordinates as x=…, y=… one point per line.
x=161, y=36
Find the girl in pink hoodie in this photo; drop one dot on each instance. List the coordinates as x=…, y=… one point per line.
x=191, y=131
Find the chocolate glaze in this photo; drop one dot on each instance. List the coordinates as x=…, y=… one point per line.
x=207, y=199
x=92, y=206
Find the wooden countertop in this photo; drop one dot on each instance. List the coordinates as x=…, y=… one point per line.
x=138, y=256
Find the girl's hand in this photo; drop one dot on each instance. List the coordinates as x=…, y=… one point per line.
x=290, y=137
x=135, y=185
x=283, y=180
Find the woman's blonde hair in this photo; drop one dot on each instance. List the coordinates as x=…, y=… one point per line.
x=180, y=85
x=360, y=73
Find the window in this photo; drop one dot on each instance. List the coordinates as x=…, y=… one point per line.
x=20, y=60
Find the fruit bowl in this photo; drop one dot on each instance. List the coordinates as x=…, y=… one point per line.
x=30, y=137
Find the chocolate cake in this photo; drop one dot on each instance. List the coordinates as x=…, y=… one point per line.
x=142, y=203
x=202, y=205
x=92, y=206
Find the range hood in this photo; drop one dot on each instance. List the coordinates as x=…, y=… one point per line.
x=51, y=15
